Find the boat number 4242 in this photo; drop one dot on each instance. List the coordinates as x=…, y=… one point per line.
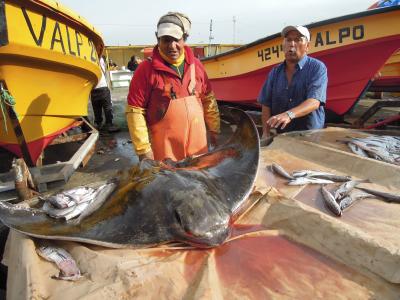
x=321, y=39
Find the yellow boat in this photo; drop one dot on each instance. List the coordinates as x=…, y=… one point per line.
x=48, y=64
x=390, y=80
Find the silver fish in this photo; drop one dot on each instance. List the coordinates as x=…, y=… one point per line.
x=357, y=150
x=281, y=171
x=389, y=197
x=346, y=188
x=55, y=212
x=68, y=268
x=352, y=198
x=307, y=173
x=93, y=199
x=102, y=194
x=333, y=177
x=330, y=202
x=321, y=175
x=306, y=180
x=70, y=197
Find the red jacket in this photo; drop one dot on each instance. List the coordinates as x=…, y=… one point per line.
x=147, y=82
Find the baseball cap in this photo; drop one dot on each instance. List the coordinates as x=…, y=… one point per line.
x=301, y=29
x=173, y=24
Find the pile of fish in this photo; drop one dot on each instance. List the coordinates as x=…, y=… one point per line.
x=385, y=147
x=194, y=201
x=303, y=177
x=80, y=201
x=343, y=197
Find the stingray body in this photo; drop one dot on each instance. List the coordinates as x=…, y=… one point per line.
x=193, y=201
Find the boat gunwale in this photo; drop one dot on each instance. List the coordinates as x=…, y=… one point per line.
x=309, y=26
x=60, y=15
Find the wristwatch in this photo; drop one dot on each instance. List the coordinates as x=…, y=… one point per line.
x=291, y=114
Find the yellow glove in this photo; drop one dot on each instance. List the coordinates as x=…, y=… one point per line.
x=211, y=112
x=138, y=129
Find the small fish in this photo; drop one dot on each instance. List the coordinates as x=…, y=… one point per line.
x=306, y=180
x=389, y=197
x=64, y=261
x=357, y=150
x=55, y=212
x=92, y=200
x=309, y=173
x=281, y=171
x=102, y=194
x=346, y=188
x=352, y=198
x=70, y=197
x=333, y=177
x=321, y=175
x=330, y=202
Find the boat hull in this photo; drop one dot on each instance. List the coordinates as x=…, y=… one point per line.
x=49, y=64
x=390, y=76
x=353, y=48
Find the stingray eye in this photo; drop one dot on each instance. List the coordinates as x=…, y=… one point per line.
x=178, y=218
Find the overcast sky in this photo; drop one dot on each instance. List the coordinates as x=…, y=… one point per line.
x=124, y=22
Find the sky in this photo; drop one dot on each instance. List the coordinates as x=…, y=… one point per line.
x=132, y=22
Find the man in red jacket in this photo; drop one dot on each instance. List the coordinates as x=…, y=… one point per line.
x=170, y=102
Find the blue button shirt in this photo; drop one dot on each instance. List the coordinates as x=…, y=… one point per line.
x=309, y=81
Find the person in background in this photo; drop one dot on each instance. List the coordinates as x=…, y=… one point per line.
x=170, y=101
x=133, y=64
x=112, y=65
x=100, y=97
x=294, y=94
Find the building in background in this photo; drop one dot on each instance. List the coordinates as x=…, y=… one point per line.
x=122, y=54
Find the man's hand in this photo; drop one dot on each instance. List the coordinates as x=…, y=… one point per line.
x=213, y=138
x=280, y=120
x=148, y=155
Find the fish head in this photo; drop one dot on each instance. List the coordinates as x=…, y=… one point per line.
x=199, y=218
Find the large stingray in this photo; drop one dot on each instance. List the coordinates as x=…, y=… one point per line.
x=192, y=201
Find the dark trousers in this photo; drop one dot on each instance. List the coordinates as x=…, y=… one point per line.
x=101, y=100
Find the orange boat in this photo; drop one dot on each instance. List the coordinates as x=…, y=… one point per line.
x=353, y=47
x=48, y=64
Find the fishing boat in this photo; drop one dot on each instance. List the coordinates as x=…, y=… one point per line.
x=353, y=47
x=390, y=76
x=48, y=66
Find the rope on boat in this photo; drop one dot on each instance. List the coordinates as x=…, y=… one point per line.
x=5, y=100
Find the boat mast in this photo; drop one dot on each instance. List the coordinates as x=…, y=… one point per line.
x=210, y=38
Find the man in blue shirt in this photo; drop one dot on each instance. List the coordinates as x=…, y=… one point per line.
x=294, y=94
